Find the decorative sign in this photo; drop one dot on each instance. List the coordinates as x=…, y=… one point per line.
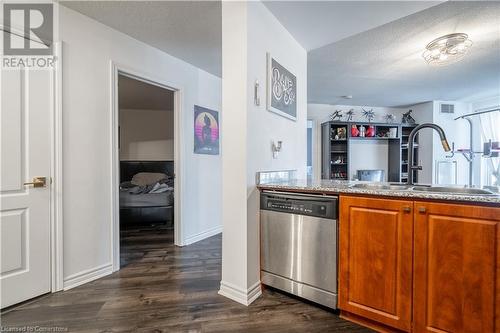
x=206, y=131
x=281, y=89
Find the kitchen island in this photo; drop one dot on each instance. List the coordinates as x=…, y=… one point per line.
x=414, y=260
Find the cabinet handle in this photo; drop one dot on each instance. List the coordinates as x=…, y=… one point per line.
x=422, y=210
x=407, y=209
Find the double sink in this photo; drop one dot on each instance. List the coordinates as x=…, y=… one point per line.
x=423, y=188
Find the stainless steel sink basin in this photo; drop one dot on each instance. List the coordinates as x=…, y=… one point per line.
x=419, y=188
x=453, y=190
x=391, y=187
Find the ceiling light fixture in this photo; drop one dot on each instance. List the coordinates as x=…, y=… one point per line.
x=447, y=49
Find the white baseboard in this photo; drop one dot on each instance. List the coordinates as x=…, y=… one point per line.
x=88, y=275
x=245, y=297
x=202, y=235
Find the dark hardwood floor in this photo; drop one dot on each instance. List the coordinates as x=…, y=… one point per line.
x=163, y=288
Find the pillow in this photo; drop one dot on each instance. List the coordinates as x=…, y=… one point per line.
x=147, y=178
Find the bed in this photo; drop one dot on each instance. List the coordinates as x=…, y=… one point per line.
x=145, y=208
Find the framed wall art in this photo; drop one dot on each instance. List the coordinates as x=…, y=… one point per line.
x=206, y=131
x=281, y=89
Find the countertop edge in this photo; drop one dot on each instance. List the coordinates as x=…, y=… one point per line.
x=453, y=198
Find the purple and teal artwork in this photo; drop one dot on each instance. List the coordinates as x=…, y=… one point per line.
x=206, y=131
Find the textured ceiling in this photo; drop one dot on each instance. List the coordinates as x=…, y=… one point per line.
x=192, y=30
x=138, y=95
x=188, y=30
x=375, y=55
x=317, y=23
x=384, y=66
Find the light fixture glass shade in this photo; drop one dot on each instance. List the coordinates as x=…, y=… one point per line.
x=447, y=49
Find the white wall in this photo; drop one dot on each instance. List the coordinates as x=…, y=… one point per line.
x=234, y=140
x=431, y=150
x=88, y=49
x=456, y=131
x=487, y=102
x=146, y=135
x=368, y=155
x=424, y=113
x=484, y=164
x=266, y=34
x=249, y=32
x=364, y=154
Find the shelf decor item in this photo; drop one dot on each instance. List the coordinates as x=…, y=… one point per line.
x=337, y=115
x=281, y=89
x=349, y=114
x=362, y=131
x=354, y=131
x=370, y=132
x=369, y=114
x=338, y=160
x=389, y=118
x=407, y=118
x=342, y=133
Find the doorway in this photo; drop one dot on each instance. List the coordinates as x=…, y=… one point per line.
x=146, y=164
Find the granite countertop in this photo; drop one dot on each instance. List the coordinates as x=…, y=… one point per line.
x=345, y=187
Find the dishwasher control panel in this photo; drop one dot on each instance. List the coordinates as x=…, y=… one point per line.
x=318, y=206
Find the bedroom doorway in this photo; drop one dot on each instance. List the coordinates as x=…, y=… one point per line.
x=145, y=122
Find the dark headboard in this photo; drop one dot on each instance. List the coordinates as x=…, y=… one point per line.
x=129, y=168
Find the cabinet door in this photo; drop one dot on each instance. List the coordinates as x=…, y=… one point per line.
x=456, y=274
x=375, y=279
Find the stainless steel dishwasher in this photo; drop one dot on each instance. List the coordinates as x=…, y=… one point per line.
x=299, y=245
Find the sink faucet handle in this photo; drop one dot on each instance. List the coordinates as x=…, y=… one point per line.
x=452, y=151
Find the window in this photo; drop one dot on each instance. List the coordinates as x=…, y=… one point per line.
x=490, y=128
x=309, y=149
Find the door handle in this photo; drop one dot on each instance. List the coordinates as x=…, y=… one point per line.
x=422, y=210
x=37, y=182
x=407, y=209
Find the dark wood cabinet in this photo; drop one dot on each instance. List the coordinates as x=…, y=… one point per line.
x=419, y=266
x=456, y=273
x=375, y=266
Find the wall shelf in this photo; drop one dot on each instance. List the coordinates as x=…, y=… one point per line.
x=333, y=147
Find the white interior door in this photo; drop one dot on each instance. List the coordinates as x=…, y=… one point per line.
x=26, y=104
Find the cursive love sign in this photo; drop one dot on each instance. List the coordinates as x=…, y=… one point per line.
x=281, y=89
